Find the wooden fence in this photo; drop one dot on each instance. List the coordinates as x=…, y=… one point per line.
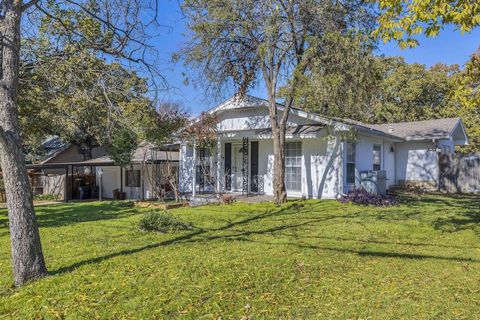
x=459, y=173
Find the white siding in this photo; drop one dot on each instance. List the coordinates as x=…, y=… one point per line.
x=364, y=157
x=417, y=162
x=186, y=167
x=250, y=119
x=111, y=181
x=322, y=173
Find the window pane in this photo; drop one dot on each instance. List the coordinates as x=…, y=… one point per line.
x=377, y=156
x=293, y=162
x=351, y=150
x=350, y=172
x=132, y=178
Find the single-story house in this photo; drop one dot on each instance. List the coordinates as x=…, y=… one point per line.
x=65, y=175
x=324, y=157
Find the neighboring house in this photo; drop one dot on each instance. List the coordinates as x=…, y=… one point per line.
x=64, y=173
x=324, y=157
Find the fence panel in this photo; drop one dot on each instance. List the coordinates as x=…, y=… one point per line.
x=460, y=173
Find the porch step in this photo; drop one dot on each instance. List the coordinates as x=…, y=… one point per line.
x=202, y=200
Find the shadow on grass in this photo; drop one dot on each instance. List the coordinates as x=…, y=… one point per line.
x=460, y=222
x=201, y=235
x=367, y=253
x=63, y=215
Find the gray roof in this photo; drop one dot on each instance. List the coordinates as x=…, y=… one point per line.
x=420, y=130
x=142, y=153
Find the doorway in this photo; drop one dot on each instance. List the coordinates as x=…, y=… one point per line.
x=237, y=169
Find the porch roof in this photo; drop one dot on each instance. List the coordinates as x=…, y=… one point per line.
x=300, y=130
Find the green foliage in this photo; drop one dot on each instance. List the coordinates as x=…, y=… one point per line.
x=45, y=197
x=161, y=222
x=169, y=119
x=465, y=97
x=410, y=92
x=403, y=20
x=122, y=145
x=342, y=80
x=303, y=260
x=69, y=91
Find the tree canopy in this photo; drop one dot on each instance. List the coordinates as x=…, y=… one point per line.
x=402, y=20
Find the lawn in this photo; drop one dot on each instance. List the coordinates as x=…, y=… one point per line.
x=306, y=259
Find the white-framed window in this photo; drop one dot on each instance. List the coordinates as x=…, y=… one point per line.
x=377, y=157
x=293, y=166
x=132, y=178
x=351, y=162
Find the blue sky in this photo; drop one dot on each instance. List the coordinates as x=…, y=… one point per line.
x=450, y=47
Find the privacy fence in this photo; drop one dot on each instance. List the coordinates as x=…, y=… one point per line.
x=459, y=173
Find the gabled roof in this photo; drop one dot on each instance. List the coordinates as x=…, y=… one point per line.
x=52, y=146
x=417, y=130
x=422, y=130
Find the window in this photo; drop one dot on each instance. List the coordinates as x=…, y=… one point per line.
x=351, y=156
x=293, y=166
x=377, y=157
x=132, y=178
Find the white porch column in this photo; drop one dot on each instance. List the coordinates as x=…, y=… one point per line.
x=194, y=170
x=219, y=165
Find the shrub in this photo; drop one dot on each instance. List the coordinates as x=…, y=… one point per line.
x=161, y=222
x=227, y=199
x=363, y=197
x=45, y=197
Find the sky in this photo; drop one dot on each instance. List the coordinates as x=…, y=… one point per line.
x=450, y=47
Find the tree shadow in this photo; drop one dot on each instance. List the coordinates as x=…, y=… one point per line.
x=460, y=222
x=63, y=215
x=235, y=231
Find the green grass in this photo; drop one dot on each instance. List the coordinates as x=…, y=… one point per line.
x=307, y=259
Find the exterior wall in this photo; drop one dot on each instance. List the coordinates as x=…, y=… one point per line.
x=447, y=146
x=251, y=119
x=322, y=170
x=54, y=184
x=417, y=163
x=111, y=181
x=364, y=157
x=322, y=174
x=72, y=154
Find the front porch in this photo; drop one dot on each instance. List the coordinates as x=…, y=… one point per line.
x=211, y=198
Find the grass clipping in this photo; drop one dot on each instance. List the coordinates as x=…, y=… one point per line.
x=160, y=221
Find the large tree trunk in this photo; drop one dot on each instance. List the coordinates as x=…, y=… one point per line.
x=279, y=190
x=27, y=256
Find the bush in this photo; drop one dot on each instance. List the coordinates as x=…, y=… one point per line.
x=363, y=197
x=45, y=197
x=161, y=222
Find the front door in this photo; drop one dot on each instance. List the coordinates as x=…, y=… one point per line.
x=237, y=169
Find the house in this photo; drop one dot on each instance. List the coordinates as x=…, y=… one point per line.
x=324, y=157
x=65, y=175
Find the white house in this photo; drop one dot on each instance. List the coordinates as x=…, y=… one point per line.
x=325, y=157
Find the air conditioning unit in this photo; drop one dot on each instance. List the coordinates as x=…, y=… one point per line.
x=374, y=181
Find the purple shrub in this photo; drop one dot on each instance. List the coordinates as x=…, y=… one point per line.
x=363, y=197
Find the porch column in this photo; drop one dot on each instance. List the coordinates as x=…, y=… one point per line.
x=219, y=165
x=194, y=170
x=65, y=183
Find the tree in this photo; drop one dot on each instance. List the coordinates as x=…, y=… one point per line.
x=343, y=79
x=110, y=26
x=82, y=99
x=402, y=20
x=169, y=119
x=410, y=92
x=273, y=41
x=465, y=96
